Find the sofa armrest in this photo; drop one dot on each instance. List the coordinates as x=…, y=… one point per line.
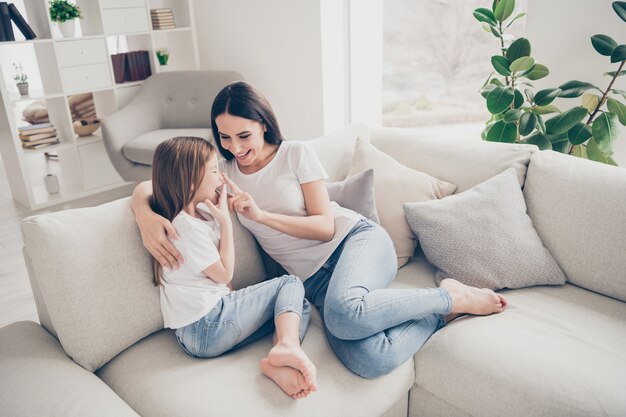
x=37, y=378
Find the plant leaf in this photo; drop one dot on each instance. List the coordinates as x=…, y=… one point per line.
x=619, y=54
x=575, y=88
x=538, y=72
x=527, y=123
x=604, y=130
x=485, y=15
x=579, y=134
x=547, y=96
x=595, y=154
x=590, y=102
x=519, y=15
x=580, y=151
x=540, y=140
x=522, y=64
x=495, y=31
x=504, y=9
x=499, y=99
x=617, y=108
x=565, y=121
x=518, y=100
x=622, y=92
x=562, y=146
x=487, y=89
x=502, y=132
x=541, y=125
x=512, y=115
x=620, y=9
x=501, y=65
x=612, y=73
x=603, y=44
x=550, y=108
x=518, y=49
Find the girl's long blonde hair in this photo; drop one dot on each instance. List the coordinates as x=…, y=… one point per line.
x=177, y=171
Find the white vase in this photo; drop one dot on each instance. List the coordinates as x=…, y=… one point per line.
x=51, y=182
x=68, y=28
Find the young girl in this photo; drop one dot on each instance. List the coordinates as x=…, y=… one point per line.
x=196, y=300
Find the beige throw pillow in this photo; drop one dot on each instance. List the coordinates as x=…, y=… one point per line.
x=394, y=185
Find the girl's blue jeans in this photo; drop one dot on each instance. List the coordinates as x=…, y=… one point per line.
x=373, y=329
x=245, y=315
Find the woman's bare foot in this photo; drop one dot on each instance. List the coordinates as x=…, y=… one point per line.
x=292, y=355
x=471, y=300
x=291, y=381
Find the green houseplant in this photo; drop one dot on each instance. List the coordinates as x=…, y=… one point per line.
x=517, y=116
x=64, y=13
x=20, y=78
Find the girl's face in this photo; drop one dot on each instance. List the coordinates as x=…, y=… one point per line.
x=243, y=138
x=212, y=180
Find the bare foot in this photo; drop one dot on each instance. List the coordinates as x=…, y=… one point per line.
x=471, y=300
x=292, y=355
x=291, y=381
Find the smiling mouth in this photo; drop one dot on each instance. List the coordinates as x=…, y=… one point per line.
x=243, y=155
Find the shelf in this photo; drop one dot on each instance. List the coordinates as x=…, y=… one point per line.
x=57, y=147
x=32, y=95
x=74, y=38
x=129, y=84
x=26, y=41
x=179, y=29
x=86, y=140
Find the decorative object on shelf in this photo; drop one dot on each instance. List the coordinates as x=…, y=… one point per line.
x=51, y=182
x=38, y=136
x=162, y=19
x=86, y=127
x=82, y=106
x=20, y=22
x=65, y=14
x=163, y=55
x=6, y=29
x=518, y=118
x=21, y=79
x=131, y=66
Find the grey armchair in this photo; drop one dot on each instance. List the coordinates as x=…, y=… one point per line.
x=176, y=103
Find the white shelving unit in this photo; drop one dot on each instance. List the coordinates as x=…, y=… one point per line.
x=58, y=67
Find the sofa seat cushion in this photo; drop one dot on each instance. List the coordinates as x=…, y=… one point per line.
x=141, y=149
x=156, y=378
x=38, y=379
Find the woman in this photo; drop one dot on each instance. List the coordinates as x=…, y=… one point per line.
x=347, y=261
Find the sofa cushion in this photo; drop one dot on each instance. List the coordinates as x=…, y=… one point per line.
x=156, y=378
x=483, y=237
x=99, y=307
x=141, y=149
x=335, y=149
x=395, y=184
x=578, y=209
x=356, y=193
x=459, y=160
x=38, y=379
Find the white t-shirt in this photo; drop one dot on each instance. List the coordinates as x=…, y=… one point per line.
x=276, y=188
x=187, y=294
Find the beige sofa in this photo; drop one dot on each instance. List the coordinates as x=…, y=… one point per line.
x=556, y=351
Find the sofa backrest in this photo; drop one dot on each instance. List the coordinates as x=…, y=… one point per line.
x=465, y=161
x=579, y=210
x=93, y=278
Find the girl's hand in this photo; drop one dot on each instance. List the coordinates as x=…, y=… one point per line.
x=242, y=202
x=154, y=230
x=220, y=212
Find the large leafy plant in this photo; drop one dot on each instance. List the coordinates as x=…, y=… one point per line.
x=517, y=116
x=62, y=11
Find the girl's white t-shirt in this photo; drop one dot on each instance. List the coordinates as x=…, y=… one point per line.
x=187, y=294
x=276, y=188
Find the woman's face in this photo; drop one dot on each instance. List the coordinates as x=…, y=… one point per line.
x=212, y=180
x=244, y=138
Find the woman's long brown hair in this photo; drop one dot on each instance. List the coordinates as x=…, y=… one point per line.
x=177, y=171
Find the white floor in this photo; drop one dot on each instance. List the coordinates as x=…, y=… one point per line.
x=16, y=297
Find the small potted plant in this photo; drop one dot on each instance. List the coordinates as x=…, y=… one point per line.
x=21, y=79
x=64, y=13
x=163, y=55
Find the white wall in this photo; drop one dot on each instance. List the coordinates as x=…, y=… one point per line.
x=559, y=32
x=276, y=45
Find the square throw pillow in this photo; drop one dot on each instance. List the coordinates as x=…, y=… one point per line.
x=395, y=184
x=356, y=193
x=483, y=237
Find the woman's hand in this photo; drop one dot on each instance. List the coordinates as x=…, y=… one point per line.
x=242, y=202
x=220, y=212
x=154, y=231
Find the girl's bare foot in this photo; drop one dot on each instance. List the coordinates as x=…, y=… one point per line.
x=292, y=355
x=471, y=300
x=291, y=381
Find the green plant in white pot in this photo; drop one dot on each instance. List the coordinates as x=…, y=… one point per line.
x=21, y=79
x=65, y=14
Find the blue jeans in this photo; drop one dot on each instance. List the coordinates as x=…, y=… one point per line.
x=245, y=315
x=372, y=329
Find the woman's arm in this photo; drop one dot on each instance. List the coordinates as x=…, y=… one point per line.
x=153, y=228
x=318, y=224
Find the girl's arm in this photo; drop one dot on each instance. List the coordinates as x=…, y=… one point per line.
x=318, y=224
x=153, y=228
x=222, y=270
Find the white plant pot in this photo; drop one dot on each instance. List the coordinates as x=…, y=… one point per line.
x=68, y=28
